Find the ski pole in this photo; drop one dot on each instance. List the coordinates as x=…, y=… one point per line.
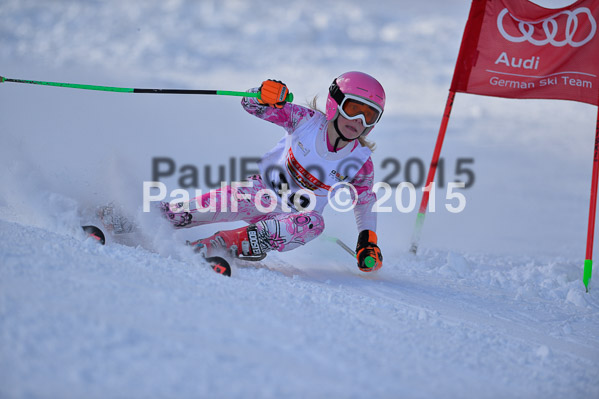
x=344, y=246
x=369, y=259
x=132, y=90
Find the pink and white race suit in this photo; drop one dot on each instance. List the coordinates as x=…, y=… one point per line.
x=293, y=187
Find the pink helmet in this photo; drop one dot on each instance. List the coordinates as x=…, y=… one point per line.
x=357, y=84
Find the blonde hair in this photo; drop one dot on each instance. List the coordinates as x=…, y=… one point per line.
x=312, y=104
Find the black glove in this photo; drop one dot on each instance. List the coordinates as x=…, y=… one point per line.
x=368, y=253
x=273, y=93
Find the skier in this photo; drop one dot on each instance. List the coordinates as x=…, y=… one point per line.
x=298, y=172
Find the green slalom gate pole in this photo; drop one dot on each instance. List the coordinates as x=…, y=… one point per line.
x=132, y=90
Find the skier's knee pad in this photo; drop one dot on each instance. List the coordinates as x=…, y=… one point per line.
x=288, y=231
x=309, y=224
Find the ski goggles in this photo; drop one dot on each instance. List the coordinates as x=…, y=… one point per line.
x=354, y=107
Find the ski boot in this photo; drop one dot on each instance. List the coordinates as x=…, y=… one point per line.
x=243, y=243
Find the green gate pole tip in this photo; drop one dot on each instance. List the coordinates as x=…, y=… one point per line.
x=2, y=79
x=588, y=269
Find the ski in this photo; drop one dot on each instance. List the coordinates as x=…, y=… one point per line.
x=218, y=264
x=95, y=233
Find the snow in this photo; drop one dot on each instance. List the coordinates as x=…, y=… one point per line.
x=493, y=305
x=82, y=320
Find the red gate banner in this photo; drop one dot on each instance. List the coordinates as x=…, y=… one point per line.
x=517, y=49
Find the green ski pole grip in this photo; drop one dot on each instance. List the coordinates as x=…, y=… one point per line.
x=369, y=262
x=289, y=97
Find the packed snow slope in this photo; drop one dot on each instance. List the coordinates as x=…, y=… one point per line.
x=492, y=306
x=82, y=320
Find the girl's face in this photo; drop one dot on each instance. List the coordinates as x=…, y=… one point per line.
x=351, y=129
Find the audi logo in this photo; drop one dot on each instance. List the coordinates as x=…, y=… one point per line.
x=550, y=29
